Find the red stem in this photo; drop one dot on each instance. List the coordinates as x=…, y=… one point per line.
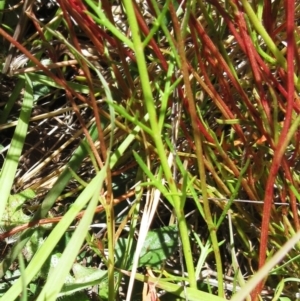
x=267, y=17
x=268, y=74
x=280, y=149
x=144, y=28
x=251, y=51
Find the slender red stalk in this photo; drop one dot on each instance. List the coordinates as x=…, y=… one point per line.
x=53, y=220
x=96, y=34
x=144, y=28
x=268, y=74
x=31, y=57
x=250, y=50
x=280, y=149
x=267, y=17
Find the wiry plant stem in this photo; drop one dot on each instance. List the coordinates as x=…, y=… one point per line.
x=199, y=151
x=282, y=142
x=156, y=135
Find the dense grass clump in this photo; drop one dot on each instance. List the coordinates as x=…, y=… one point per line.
x=150, y=150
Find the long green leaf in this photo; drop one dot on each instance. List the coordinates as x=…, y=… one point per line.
x=43, y=253
x=57, y=278
x=49, y=200
x=12, y=158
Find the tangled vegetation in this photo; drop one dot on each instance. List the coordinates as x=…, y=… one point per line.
x=150, y=150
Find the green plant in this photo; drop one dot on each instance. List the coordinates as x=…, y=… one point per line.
x=157, y=123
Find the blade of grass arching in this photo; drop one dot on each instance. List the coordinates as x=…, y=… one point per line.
x=156, y=135
x=58, y=276
x=174, y=187
x=45, y=250
x=12, y=158
x=263, y=272
x=48, y=202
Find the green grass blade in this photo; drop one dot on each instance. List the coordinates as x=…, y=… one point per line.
x=57, y=278
x=12, y=158
x=45, y=250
